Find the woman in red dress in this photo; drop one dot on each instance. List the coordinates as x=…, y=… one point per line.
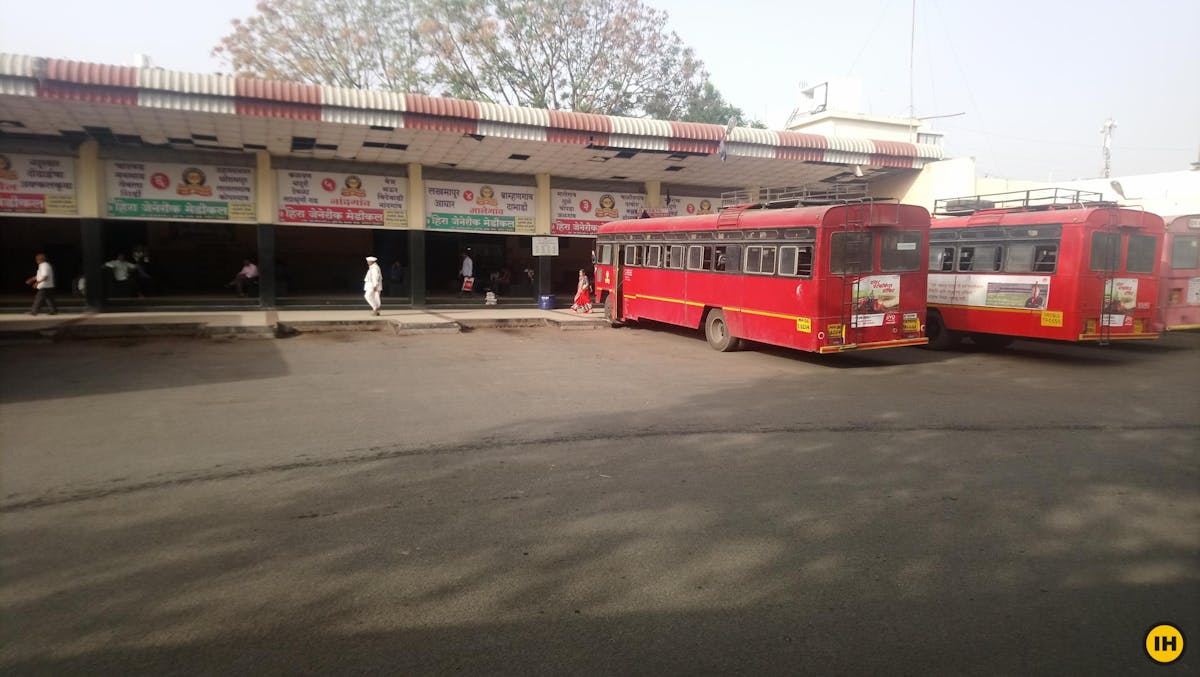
x=583, y=299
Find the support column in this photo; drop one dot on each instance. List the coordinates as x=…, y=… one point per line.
x=266, y=265
x=416, y=266
x=90, y=193
x=654, y=196
x=265, y=213
x=91, y=235
x=541, y=226
x=416, y=234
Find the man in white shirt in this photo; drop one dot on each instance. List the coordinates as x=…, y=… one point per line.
x=248, y=274
x=373, y=284
x=43, y=282
x=122, y=272
x=467, y=270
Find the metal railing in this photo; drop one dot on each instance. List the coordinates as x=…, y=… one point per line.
x=788, y=196
x=1034, y=199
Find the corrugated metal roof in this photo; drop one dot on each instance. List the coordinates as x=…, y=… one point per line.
x=747, y=135
x=700, y=131
x=692, y=146
x=507, y=131
x=878, y=160
x=895, y=148
x=68, y=91
x=18, y=65
x=439, y=123
x=432, y=105
x=802, y=140
x=186, y=83
x=186, y=102
x=367, y=99
x=91, y=73
x=842, y=157
x=929, y=151
x=640, y=126
x=750, y=149
x=516, y=115
x=277, y=109
x=850, y=144
x=275, y=90
x=365, y=118
x=583, y=122
x=582, y=138
x=18, y=86
x=798, y=153
x=639, y=142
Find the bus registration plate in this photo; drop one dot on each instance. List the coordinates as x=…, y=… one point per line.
x=912, y=323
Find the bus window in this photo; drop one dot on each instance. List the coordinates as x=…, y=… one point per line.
x=674, y=256
x=653, y=256
x=851, y=253
x=633, y=255
x=1106, y=251
x=1044, y=258
x=1185, y=253
x=727, y=258
x=1019, y=258
x=941, y=259
x=899, y=252
x=795, y=261
x=695, y=259
x=761, y=260
x=1139, y=257
x=606, y=254
x=980, y=258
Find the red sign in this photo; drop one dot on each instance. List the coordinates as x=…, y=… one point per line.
x=329, y=185
x=574, y=227
x=24, y=204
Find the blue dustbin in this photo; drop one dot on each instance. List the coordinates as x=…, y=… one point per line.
x=546, y=302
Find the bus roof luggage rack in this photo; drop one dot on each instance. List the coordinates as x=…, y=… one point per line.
x=1023, y=200
x=796, y=196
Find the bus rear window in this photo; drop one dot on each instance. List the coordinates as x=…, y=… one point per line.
x=1185, y=253
x=899, y=252
x=1139, y=257
x=1106, y=251
x=850, y=253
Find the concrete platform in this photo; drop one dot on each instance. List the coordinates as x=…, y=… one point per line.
x=276, y=323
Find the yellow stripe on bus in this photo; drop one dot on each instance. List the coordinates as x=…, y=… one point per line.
x=990, y=310
x=874, y=346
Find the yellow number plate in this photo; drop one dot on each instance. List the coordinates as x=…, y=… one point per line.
x=1052, y=318
x=913, y=324
x=804, y=324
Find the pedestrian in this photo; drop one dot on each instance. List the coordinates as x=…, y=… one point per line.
x=122, y=272
x=247, y=276
x=583, y=297
x=43, y=282
x=466, y=273
x=373, y=284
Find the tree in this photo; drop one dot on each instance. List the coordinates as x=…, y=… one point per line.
x=592, y=56
x=363, y=44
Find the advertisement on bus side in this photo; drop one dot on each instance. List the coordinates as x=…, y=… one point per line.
x=1120, y=300
x=990, y=291
x=876, y=298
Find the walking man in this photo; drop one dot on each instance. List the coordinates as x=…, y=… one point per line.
x=466, y=272
x=43, y=282
x=373, y=284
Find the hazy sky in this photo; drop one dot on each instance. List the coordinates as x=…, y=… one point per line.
x=1035, y=80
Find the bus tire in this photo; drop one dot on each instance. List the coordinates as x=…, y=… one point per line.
x=940, y=338
x=716, y=330
x=992, y=341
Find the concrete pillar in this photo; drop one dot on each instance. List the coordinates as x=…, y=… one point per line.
x=416, y=198
x=91, y=235
x=266, y=207
x=542, y=205
x=416, y=265
x=89, y=181
x=266, y=211
x=266, y=265
x=654, y=196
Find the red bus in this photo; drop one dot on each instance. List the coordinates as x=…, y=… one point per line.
x=1046, y=264
x=1179, y=297
x=825, y=279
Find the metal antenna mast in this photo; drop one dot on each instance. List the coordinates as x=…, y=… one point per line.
x=1107, y=131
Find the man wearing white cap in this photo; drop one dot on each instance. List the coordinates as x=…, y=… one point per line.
x=373, y=284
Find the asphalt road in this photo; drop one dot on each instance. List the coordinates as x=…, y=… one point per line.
x=594, y=502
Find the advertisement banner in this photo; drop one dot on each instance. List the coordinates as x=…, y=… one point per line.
x=582, y=212
x=37, y=184
x=340, y=199
x=155, y=190
x=1120, y=300
x=1193, y=291
x=691, y=206
x=990, y=291
x=479, y=207
x=876, y=297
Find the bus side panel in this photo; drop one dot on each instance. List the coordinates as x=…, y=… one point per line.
x=666, y=301
x=713, y=290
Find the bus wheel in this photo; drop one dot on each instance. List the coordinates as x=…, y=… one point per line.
x=940, y=338
x=991, y=341
x=716, y=330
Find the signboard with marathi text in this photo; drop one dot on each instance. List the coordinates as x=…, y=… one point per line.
x=482, y=207
x=342, y=199
x=154, y=190
x=37, y=184
x=689, y=206
x=582, y=212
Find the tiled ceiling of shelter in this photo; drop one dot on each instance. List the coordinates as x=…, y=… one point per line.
x=118, y=125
